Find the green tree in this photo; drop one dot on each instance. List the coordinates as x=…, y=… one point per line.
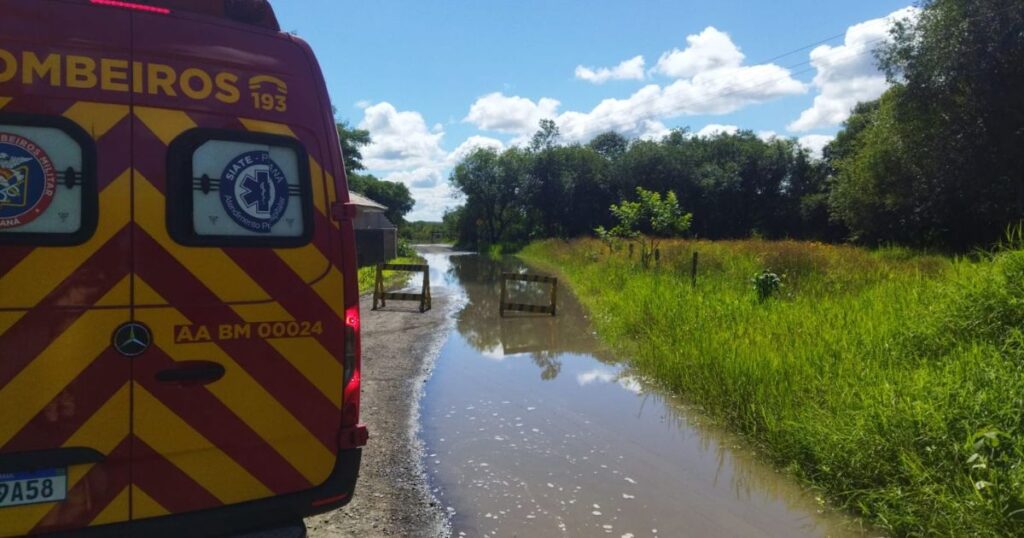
x=395, y=196
x=949, y=129
x=647, y=220
x=546, y=137
x=492, y=187
x=353, y=140
x=610, y=145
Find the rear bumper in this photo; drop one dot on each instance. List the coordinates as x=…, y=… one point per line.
x=246, y=517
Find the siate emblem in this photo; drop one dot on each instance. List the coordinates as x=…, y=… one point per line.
x=132, y=339
x=28, y=181
x=254, y=191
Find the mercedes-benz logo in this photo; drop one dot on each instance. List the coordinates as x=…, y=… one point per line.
x=132, y=339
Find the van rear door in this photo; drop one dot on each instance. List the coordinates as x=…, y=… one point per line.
x=65, y=263
x=239, y=397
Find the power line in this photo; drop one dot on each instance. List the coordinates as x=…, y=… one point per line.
x=803, y=48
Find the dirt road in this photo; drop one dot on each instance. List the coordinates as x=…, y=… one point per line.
x=392, y=498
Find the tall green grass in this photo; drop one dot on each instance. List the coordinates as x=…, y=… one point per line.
x=891, y=380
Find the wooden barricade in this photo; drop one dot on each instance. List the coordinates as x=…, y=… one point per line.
x=381, y=297
x=532, y=308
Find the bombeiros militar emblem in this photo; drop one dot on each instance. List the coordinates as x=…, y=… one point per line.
x=28, y=181
x=254, y=191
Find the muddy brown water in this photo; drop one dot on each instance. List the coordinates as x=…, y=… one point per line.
x=532, y=428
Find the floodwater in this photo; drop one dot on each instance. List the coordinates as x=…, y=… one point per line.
x=531, y=428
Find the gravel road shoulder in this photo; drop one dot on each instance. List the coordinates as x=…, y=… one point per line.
x=392, y=497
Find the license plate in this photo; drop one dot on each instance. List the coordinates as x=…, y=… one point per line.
x=47, y=486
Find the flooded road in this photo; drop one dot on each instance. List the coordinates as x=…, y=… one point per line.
x=531, y=428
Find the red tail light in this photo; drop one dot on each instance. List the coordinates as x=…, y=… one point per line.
x=353, y=365
x=353, y=434
x=132, y=6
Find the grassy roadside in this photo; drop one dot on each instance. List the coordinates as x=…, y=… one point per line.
x=392, y=279
x=892, y=381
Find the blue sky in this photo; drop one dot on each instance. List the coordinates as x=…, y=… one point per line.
x=432, y=80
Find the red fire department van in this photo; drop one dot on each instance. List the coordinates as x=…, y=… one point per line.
x=179, y=323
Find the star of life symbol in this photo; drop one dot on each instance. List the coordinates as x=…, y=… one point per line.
x=258, y=192
x=254, y=191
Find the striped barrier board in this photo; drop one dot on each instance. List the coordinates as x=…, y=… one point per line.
x=530, y=278
x=381, y=297
x=411, y=268
x=506, y=306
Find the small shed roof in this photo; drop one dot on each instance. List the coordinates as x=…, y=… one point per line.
x=365, y=203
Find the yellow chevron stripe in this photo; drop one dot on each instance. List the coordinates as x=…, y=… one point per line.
x=230, y=283
x=319, y=197
x=113, y=297
x=308, y=356
x=100, y=432
x=168, y=434
x=144, y=507
x=115, y=512
x=96, y=118
x=165, y=123
x=212, y=266
x=247, y=399
x=269, y=127
x=7, y=319
x=56, y=367
x=4, y=101
x=307, y=261
x=108, y=426
x=332, y=192
x=42, y=270
x=332, y=290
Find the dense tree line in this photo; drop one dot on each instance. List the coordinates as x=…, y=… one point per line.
x=937, y=161
x=735, y=185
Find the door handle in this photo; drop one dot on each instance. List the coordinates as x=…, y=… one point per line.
x=48, y=459
x=192, y=373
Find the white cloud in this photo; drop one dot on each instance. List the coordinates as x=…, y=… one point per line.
x=425, y=177
x=712, y=92
x=510, y=114
x=767, y=136
x=847, y=74
x=631, y=69
x=405, y=150
x=815, y=143
x=715, y=82
x=473, y=143
x=401, y=140
x=714, y=129
x=706, y=51
x=432, y=203
x=653, y=130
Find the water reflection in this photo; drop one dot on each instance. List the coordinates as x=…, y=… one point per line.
x=585, y=448
x=541, y=337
